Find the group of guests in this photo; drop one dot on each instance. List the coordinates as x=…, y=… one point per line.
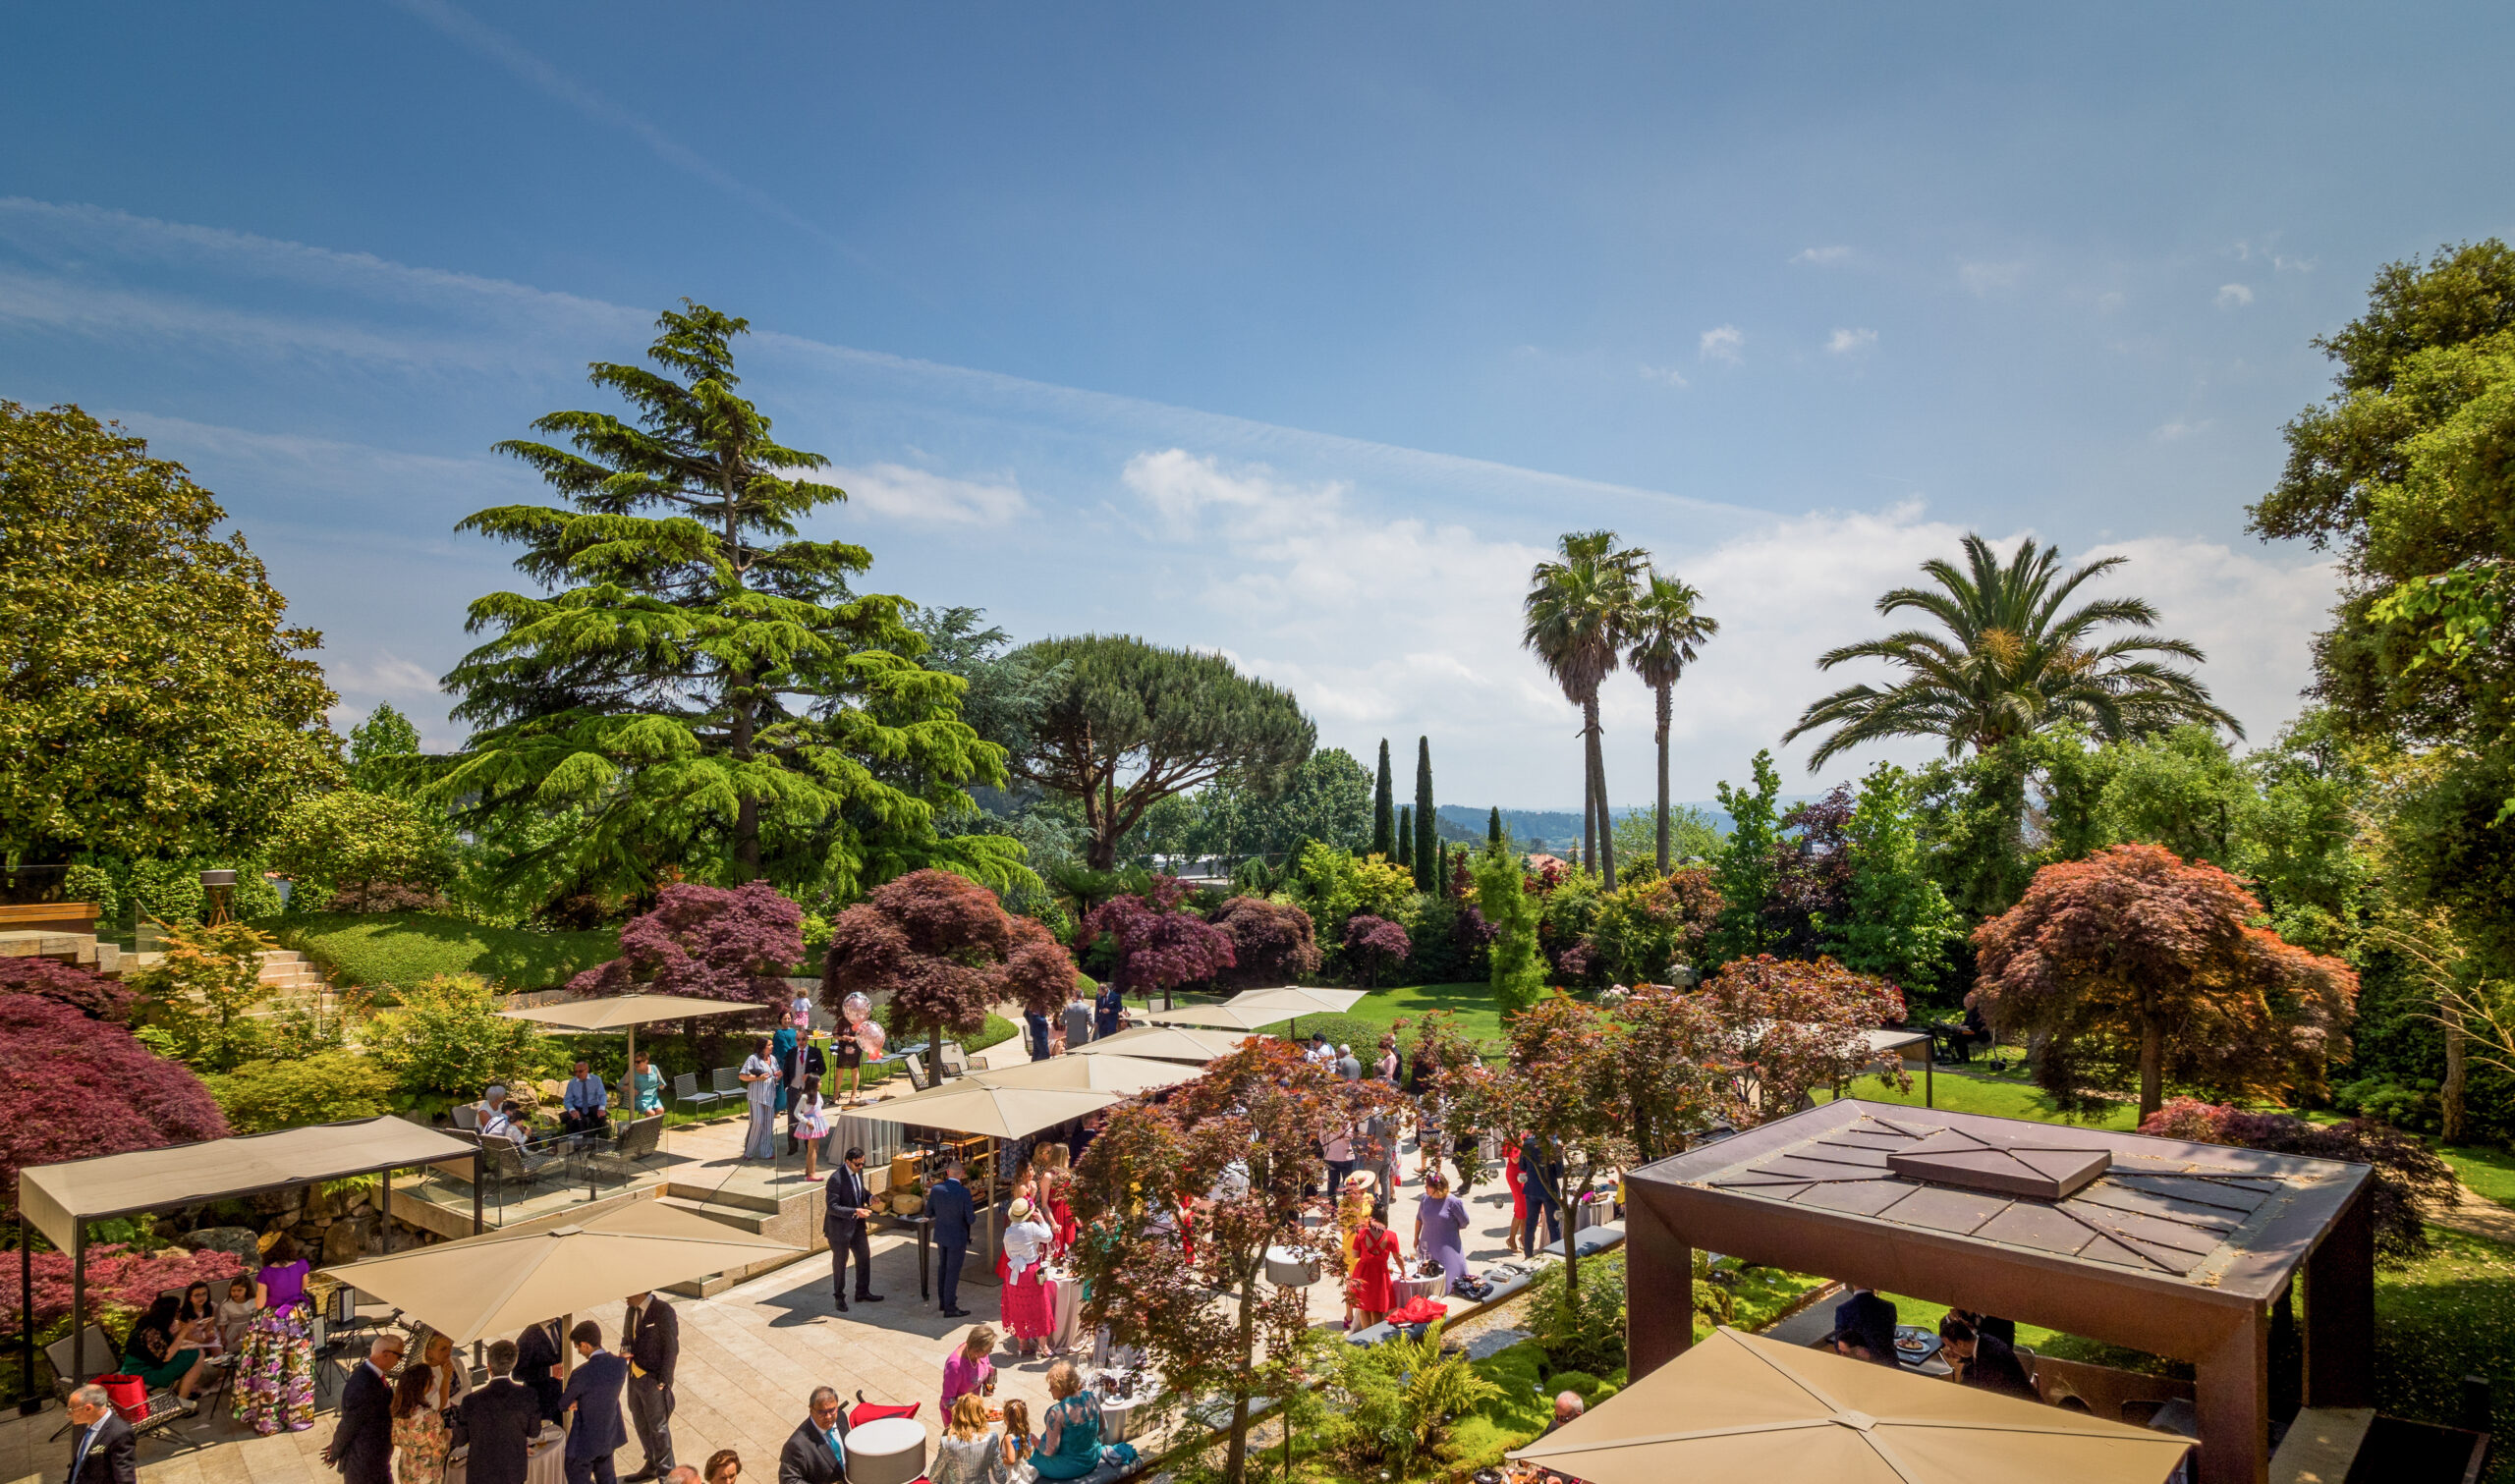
x=1079, y=1023
x=403, y=1428
x=977, y=1448
x=786, y=1071
x=1981, y=1349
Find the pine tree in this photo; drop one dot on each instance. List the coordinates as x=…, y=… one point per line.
x=704, y=687
x=1494, y=828
x=1404, y=836
x=1428, y=831
x=1384, y=812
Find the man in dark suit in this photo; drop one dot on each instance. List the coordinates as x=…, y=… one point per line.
x=817, y=1453
x=652, y=1339
x=362, y=1446
x=954, y=1213
x=1868, y=1321
x=848, y=1202
x=595, y=1393
x=100, y=1441
x=536, y=1365
x=499, y=1421
x=1986, y=1361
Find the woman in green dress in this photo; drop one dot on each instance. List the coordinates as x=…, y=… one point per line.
x=1070, y=1434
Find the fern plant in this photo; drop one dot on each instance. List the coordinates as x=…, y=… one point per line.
x=1402, y=1395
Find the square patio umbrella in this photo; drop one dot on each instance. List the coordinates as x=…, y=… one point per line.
x=1742, y=1409
x=626, y=1013
x=498, y=1282
x=1100, y=1074
x=1165, y=1043
x=1302, y=1001
x=1224, y=1017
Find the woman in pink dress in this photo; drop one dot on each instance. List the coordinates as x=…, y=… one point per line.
x=1025, y=1296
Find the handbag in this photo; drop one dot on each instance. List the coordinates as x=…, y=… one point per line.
x=129, y=1396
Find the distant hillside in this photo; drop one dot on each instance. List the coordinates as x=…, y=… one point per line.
x=1560, y=829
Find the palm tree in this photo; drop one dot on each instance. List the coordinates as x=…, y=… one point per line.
x=1576, y=617
x=2012, y=663
x=1666, y=631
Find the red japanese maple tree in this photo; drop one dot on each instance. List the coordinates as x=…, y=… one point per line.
x=945, y=949
x=1161, y=944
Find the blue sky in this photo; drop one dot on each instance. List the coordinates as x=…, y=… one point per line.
x=1292, y=331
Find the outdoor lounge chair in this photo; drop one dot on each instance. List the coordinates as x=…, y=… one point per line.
x=917, y=1077
x=622, y=1157
x=510, y=1165
x=953, y=1061
x=729, y=1083
x=684, y=1089
x=467, y=1118
x=104, y=1359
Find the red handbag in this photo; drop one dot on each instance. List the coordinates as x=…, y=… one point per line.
x=129, y=1396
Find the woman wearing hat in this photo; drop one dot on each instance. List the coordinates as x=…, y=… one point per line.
x=1367, y=1287
x=1025, y=1296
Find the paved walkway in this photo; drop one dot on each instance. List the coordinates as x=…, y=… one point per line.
x=750, y=1355
x=2480, y=1216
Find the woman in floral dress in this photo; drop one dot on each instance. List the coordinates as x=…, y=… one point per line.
x=420, y=1438
x=275, y=1369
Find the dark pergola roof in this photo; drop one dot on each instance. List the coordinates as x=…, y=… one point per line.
x=2159, y=1244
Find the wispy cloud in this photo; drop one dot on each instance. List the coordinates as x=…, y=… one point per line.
x=923, y=497
x=1990, y=277
x=2233, y=296
x=1668, y=375
x=1723, y=343
x=2182, y=428
x=1821, y=256
x=1850, y=342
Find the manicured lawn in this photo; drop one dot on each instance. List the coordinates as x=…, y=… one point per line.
x=1472, y=1004
x=2489, y=1172
x=2444, y=1318
x=2001, y=1097
x=393, y=949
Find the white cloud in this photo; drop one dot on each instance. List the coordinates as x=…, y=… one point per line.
x=1723, y=343
x=2182, y=428
x=1990, y=278
x=1850, y=342
x=1821, y=256
x=923, y=497
x=2254, y=618
x=2233, y=296
x=1669, y=374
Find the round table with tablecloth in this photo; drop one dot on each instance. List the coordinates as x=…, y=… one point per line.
x=1065, y=1302
x=544, y=1463
x=1406, y=1290
x=887, y=1451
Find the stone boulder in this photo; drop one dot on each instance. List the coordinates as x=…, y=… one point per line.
x=346, y=1241
x=239, y=1242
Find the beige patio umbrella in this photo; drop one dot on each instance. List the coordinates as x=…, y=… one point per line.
x=1165, y=1043
x=1224, y=1017
x=500, y=1281
x=1301, y=1000
x=626, y=1013
x=977, y=1104
x=1101, y=1073
x=1742, y=1409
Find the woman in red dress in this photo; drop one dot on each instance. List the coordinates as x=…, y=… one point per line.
x=1027, y=1310
x=1367, y=1296
x=1512, y=1177
x=1056, y=1206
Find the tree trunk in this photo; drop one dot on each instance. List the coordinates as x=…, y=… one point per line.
x=1599, y=782
x=2449, y=1095
x=1588, y=809
x=1571, y=1262
x=1235, y=1464
x=2151, y=1065
x=1665, y=695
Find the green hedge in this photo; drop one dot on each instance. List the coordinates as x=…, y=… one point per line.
x=392, y=949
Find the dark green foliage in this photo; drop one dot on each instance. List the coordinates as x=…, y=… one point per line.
x=383, y=751
x=700, y=686
x=1404, y=855
x=1899, y=924
x=1169, y=721
x=1426, y=858
x=1383, y=810
x=1587, y=1334
x=327, y=1088
x=1747, y=872
x=1493, y=827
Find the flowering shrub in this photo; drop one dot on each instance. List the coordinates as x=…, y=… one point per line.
x=121, y=1282
x=710, y=943
x=72, y=1087
x=93, y=996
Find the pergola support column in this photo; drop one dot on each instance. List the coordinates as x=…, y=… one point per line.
x=1659, y=1276
x=2231, y=1387
x=2340, y=1311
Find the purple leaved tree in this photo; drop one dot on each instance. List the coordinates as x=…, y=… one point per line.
x=944, y=950
x=1161, y=944
x=79, y=1087
x=735, y=944
x=1374, y=943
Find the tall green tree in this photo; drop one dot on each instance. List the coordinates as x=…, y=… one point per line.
x=383, y=751
x=153, y=700
x=703, y=685
x=1405, y=838
x=2015, y=659
x=1518, y=960
x=1576, y=618
x=1900, y=926
x=1329, y=798
x=1426, y=858
x=1666, y=630
x=1493, y=827
x=1129, y=724
x=1383, y=809
x=1748, y=869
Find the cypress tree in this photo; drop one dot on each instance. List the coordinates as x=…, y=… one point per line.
x=1405, y=837
x=1427, y=829
x=1493, y=827
x=1383, y=811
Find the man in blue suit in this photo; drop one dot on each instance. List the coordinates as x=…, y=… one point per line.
x=594, y=1392
x=1866, y=1323
x=954, y=1214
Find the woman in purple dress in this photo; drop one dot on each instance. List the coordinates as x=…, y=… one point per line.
x=1440, y=1229
x=274, y=1385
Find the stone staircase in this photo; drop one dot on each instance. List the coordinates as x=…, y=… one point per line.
x=295, y=982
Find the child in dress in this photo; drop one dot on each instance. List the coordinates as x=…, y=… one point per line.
x=1018, y=1442
x=811, y=1123
x=236, y=1314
